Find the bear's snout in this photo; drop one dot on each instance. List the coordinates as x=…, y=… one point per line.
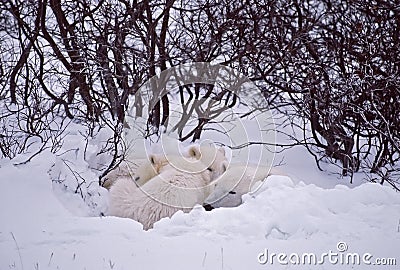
x=208, y=207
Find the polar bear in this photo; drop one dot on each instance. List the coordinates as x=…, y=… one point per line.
x=237, y=180
x=144, y=168
x=211, y=157
x=173, y=189
x=129, y=169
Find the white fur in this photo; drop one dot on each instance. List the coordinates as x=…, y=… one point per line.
x=237, y=180
x=142, y=170
x=139, y=170
x=170, y=191
x=150, y=168
x=210, y=156
x=125, y=169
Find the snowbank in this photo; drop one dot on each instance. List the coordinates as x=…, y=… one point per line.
x=38, y=232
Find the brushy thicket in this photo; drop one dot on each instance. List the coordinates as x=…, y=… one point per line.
x=331, y=65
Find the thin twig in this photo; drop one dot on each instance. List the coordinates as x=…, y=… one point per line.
x=222, y=258
x=205, y=256
x=51, y=257
x=19, y=252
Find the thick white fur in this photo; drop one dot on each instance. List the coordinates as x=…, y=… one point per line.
x=139, y=170
x=237, y=180
x=170, y=191
x=123, y=170
x=142, y=170
x=210, y=156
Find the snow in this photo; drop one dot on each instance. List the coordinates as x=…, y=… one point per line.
x=49, y=223
x=37, y=231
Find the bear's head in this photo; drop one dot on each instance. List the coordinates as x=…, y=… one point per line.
x=197, y=159
x=159, y=163
x=150, y=168
x=237, y=180
x=225, y=192
x=211, y=157
x=121, y=171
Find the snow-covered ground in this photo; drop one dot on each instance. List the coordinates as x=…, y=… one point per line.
x=45, y=225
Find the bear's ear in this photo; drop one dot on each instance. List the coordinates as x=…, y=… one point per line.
x=194, y=151
x=221, y=150
x=154, y=159
x=158, y=161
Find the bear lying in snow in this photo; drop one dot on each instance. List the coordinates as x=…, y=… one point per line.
x=208, y=155
x=211, y=158
x=173, y=189
x=237, y=180
x=128, y=169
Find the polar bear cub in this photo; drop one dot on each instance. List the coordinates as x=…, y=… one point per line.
x=123, y=170
x=212, y=157
x=209, y=157
x=237, y=180
x=173, y=189
x=142, y=170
